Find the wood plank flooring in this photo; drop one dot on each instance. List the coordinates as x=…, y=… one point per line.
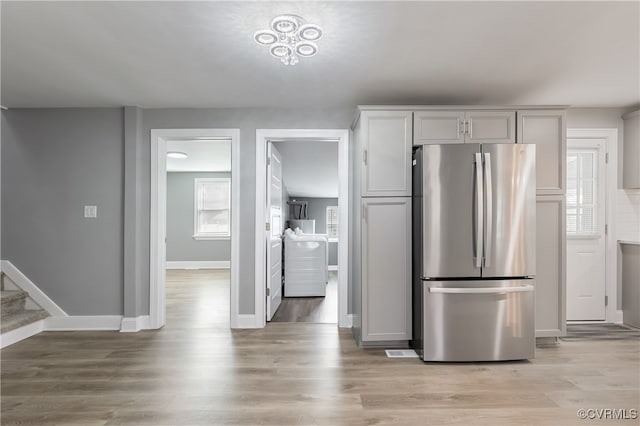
x=311, y=309
x=196, y=371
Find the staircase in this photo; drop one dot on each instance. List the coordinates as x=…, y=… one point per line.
x=16, y=311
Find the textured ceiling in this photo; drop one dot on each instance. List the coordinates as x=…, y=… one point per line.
x=202, y=156
x=309, y=169
x=202, y=54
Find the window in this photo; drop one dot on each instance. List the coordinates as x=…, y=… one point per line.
x=582, y=191
x=332, y=222
x=212, y=207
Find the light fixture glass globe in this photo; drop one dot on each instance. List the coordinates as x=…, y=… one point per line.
x=310, y=32
x=265, y=37
x=285, y=24
x=280, y=50
x=306, y=49
x=290, y=38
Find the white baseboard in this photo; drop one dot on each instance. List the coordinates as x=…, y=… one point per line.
x=14, y=336
x=244, y=321
x=196, y=264
x=349, y=323
x=35, y=293
x=333, y=267
x=135, y=324
x=83, y=323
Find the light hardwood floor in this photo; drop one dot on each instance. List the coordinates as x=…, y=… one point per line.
x=196, y=371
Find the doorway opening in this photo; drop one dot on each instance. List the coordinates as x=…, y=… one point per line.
x=302, y=188
x=591, y=251
x=198, y=232
x=194, y=228
x=302, y=232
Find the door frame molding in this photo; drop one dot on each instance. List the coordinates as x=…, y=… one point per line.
x=341, y=136
x=610, y=135
x=158, y=217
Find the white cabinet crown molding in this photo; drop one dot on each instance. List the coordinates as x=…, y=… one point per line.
x=361, y=108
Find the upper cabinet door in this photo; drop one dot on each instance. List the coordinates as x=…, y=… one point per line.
x=386, y=155
x=490, y=127
x=438, y=127
x=547, y=130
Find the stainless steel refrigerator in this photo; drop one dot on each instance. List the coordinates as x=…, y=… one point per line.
x=474, y=223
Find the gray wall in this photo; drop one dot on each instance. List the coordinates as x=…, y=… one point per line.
x=181, y=246
x=64, y=158
x=247, y=120
x=55, y=161
x=317, y=209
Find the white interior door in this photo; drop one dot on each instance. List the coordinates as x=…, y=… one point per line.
x=586, y=196
x=274, y=231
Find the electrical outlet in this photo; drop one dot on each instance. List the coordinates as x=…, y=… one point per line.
x=91, y=211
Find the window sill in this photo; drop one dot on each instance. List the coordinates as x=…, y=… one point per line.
x=210, y=237
x=333, y=240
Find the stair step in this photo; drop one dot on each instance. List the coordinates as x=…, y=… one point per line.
x=20, y=319
x=12, y=301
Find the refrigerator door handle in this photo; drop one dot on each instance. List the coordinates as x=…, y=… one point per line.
x=488, y=234
x=481, y=290
x=479, y=211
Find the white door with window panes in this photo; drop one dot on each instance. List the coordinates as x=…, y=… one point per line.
x=212, y=208
x=586, y=183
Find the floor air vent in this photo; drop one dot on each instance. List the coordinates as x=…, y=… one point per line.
x=401, y=353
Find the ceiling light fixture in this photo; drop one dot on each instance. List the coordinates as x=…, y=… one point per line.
x=177, y=155
x=290, y=38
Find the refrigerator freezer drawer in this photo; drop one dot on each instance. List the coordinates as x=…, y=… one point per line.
x=479, y=320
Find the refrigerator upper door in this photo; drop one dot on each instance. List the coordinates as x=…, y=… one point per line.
x=451, y=223
x=510, y=210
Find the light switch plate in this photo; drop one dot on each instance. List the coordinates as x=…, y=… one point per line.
x=91, y=211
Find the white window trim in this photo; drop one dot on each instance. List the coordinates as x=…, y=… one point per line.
x=326, y=217
x=203, y=235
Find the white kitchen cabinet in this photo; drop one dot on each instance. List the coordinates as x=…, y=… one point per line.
x=551, y=268
x=490, y=127
x=547, y=130
x=631, y=151
x=438, y=127
x=386, y=269
x=443, y=127
x=386, y=153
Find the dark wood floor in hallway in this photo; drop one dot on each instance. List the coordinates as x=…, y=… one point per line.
x=311, y=309
x=196, y=371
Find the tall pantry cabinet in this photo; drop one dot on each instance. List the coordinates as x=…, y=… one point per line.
x=381, y=247
x=546, y=128
x=380, y=297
